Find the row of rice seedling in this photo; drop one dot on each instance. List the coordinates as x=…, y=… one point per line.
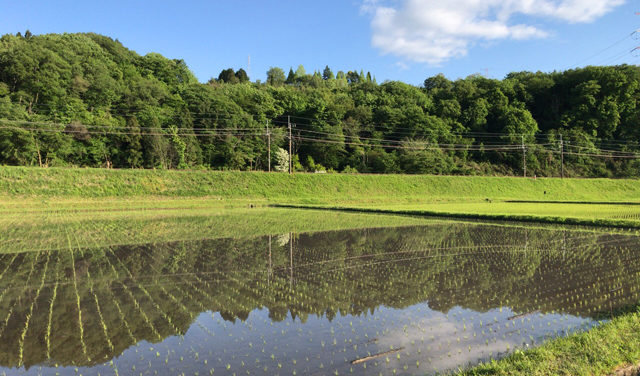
x=133, y=302
x=106, y=275
x=79, y=309
x=323, y=296
x=147, y=294
x=52, y=301
x=28, y=316
x=4, y=324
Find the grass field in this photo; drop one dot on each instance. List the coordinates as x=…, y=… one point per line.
x=611, y=348
x=24, y=189
x=304, y=188
x=608, y=215
x=138, y=206
x=587, y=211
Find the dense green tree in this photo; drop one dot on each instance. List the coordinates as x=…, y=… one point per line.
x=353, y=77
x=228, y=76
x=300, y=72
x=86, y=100
x=242, y=76
x=275, y=76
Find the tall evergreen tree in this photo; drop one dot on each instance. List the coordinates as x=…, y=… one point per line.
x=291, y=77
x=327, y=74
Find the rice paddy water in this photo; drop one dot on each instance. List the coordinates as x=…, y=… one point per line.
x=398, y=300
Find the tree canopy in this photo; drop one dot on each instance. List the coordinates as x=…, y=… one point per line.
x=86, y=100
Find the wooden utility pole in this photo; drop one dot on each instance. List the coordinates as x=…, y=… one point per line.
x=289, y=124
x=524, y=159
x=561, y=158
x=269, y=146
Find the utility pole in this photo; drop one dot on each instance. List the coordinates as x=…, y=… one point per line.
x=561, y=158
x=289, y=124
x=524, y=159
x=269, y=146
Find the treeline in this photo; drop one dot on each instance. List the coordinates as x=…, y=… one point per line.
x=86, y=100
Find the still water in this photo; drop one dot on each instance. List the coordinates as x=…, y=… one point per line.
x=408, y=300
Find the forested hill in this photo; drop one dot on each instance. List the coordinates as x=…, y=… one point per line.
x=86, y=100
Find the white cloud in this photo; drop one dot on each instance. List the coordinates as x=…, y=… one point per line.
x=434, y=31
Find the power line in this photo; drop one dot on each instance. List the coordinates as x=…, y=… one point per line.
x=464, y=135
x=82, y=131
x=393, y=130
x=614, y=58
x=395, y=141
x=121, y=127
x=602, y=150
x=383, y=143
x=410, y=147
x=635, y=32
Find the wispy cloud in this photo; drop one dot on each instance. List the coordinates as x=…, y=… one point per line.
x=434, y=31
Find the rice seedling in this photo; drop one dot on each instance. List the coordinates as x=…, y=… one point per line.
x=12, y=307
x=75, y=287
x=440, y=291
x=50, y=315
x=26, y=325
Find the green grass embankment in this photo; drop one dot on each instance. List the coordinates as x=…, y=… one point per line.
x=543, y=213
x=29, y=189
x=304, y=188
x=603, y=350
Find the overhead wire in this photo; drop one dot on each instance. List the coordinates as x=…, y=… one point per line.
x=81, y=132
x=635, y=32
x=317, y=136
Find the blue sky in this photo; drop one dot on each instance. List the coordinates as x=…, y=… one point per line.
x=406, y=40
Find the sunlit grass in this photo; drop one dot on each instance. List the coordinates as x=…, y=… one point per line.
x=586, y=211
x=597, y=351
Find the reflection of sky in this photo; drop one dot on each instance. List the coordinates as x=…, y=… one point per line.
x=430, y=341
x=464, y=337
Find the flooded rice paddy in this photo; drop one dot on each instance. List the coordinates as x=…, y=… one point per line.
x=403, y=300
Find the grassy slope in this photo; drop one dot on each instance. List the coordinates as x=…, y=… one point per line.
x=308, y=188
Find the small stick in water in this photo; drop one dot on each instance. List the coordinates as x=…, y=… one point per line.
x=523, y=315
x=362, y=360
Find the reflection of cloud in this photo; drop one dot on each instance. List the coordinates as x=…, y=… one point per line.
x=433, y=31
x=447, y=341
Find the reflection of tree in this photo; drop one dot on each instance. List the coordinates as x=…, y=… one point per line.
x=151, y=291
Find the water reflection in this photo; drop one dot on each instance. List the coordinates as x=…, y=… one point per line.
x=432, y=297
